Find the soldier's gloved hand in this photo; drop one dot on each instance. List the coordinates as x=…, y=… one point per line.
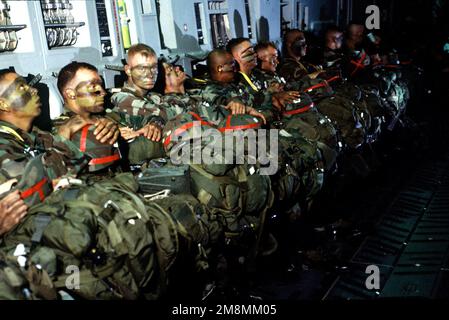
x=12, y=211
x=151, y=131
x=286, y=97
x=73, y=125
x=128, y=133
x=106, y=131
x=253, y=112
x=236, y=107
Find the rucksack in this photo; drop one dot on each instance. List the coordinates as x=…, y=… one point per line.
x=123, y=245
x=24, y=283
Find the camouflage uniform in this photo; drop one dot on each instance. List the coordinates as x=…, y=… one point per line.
x=136, y=111
x=216, y=93
x=105, y=158
x=38, y=157
x=262, y=100
x=293, y=70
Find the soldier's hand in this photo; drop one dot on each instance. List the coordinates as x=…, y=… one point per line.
x=151, y=131
x=315, y=74
x=12, y=211
x=72, y=126
x=128, y=133
x=236, y=107
x=276, y=103
x=286, y=97
x=106, y=131
x=253, y=112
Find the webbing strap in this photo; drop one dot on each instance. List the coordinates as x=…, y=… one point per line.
x=40, y=224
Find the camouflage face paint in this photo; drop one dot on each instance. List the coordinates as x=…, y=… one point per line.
x=174, y=75
x=249, y=55
x=144, y=75
x=21, y=97
x=90, y=96
x=299, y=47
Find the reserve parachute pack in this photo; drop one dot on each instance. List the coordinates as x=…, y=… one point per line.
x=303, y=117
x=235, y=192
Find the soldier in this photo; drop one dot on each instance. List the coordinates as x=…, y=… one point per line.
x=300, y=115
x=139, y=111
x=23, y=147
x=80, y=210
x=138, y=107
x=82, y=89
x=294, y=47
x=177, y=100
x=358, y=58
x=332, y=53
x=222, y=88
x=269, y=101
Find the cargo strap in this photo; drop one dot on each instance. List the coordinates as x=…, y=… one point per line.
x=300, y=110
x=249, y=81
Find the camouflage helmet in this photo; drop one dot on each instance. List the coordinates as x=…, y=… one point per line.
x=303, y=104
x=103, y=154
x=316, y=88
x=183, y=128
x=35, y=185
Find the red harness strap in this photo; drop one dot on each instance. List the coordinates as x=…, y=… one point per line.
x=104, y=160
x=298, y=111
x=358, y=64
x=317, y=86
x=37, y=188
x=240, y=127
x=334, y=78
x=186, y=127
x=83, y=139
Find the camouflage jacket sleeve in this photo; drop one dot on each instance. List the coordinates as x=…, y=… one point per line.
x=293, y=71
x=217, y=94
x=136, y=112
